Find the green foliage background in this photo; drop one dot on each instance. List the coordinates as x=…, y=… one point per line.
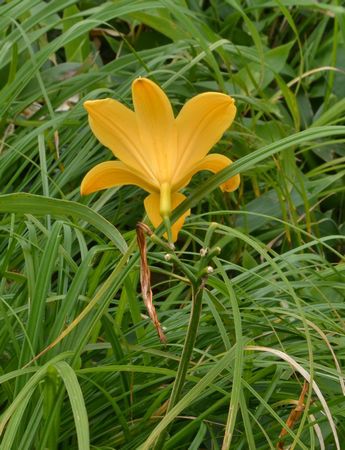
x=273, y=309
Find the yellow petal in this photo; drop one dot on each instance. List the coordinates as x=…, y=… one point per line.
x=200, y=124
x=115, y=127
x=152, y=205
x=109, y=174
x=214, y=163
x=156, y=124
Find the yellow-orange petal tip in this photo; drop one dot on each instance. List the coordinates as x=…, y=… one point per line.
x=88, y=105
x=232, y=184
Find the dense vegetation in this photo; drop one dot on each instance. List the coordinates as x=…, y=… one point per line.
x=81, y=364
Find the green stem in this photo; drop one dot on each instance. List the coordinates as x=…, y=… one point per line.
x=165, y=207
x=197, y=293
x=167, y=223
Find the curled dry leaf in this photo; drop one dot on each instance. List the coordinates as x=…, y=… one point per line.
x=294, y=416
x=145, y=278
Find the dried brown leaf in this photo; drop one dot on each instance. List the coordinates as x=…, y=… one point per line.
x=145, y=278
x=294, y=416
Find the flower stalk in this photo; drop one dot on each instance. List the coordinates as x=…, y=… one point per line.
x=185, y=357
x=198, y=284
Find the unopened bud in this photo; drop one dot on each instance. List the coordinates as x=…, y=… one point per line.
x=167, y=257
x=203, y=251
x=209, y=269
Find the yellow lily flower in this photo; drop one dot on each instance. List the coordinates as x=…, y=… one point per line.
x=156, y=151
